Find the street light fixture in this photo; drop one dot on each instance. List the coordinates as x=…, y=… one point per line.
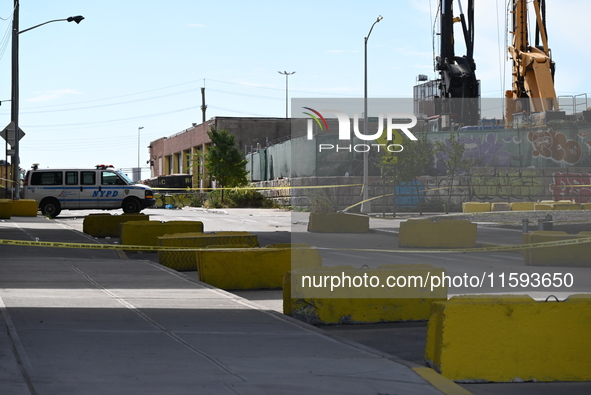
x=366, y=205
x=77, y=19
x=15, y=88
x=286, y=99
x=139, y=172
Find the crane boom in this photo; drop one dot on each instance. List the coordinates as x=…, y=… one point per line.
x=533, y=69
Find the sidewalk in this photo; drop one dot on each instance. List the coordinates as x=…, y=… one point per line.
x=79, y=323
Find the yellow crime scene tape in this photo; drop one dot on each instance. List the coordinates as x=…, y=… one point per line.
x=257, y=188
x=53, y=244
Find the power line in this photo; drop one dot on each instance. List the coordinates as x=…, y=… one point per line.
x=110, y=121
x=110, y=104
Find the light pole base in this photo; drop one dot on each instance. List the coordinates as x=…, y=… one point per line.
x=366, y=207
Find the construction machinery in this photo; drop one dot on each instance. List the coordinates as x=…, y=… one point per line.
x=532, y=98
x=457, y=73
x=453, y=100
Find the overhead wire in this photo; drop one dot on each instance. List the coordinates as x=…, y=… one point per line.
x=114, y=97
x=11, y=14
x=111, y=104
x=109, y=121
x=500, y=53
x=5, y=39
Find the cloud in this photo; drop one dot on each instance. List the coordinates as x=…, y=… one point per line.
x=53, y=94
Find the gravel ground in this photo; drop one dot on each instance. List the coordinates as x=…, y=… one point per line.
x=570, y=221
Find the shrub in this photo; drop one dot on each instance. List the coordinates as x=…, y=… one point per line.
x=238, y=198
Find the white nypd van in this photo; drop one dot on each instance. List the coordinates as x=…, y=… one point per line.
x=77, y=189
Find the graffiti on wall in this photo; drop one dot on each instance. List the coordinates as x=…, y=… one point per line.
x=507, y=184
x=569, y=186
x=408, y=193
x=556, y=146
x=443, y=188
x=486, y=150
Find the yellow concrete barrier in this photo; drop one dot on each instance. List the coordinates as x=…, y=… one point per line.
x=338, y=223
x=107, y=225
x=510, y=338
x=5, y=208
x=500, y=206
x=543, y=207
x=24, y=208
x=585, y=206
x=475, y=207
x=566, y=206
x=523, y=206
x=254, y=268
x=565, y=255
x=440, y=234
x=146, y=233
x=187, y=260
x=346, y=295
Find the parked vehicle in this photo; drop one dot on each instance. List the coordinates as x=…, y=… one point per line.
x=78, y=189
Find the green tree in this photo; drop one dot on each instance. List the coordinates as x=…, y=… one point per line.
x=415, y=160
x=451, y=156
x=223, y=160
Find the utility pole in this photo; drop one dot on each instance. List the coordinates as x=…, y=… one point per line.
x=14, y=102
x=365, y=203
x=203, y=105
x=286, y=74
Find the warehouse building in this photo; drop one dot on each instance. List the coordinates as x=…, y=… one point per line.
x=178, y=159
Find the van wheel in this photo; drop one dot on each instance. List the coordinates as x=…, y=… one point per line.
x=50, y=208
x=131, y=205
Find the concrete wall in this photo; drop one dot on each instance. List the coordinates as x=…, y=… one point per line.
x=481, y=184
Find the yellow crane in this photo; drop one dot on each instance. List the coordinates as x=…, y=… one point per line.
x=533, y=69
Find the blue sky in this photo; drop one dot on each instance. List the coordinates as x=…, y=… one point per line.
x=85, y=89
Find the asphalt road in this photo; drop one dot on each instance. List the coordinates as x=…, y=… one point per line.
x=405, y=341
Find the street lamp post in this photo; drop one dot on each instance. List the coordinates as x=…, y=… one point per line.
x=286, y=90
x=366, y=205
x=139, y=175
x=15, y=88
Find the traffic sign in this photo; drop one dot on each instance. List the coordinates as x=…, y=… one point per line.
x=390, y=158
x=8, y=134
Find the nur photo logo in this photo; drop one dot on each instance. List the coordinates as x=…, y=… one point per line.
x=394, y=121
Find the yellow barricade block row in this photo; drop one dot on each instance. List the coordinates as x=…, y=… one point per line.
x=560, y=255
x=442, y=234
x=543, y=207
x=146, y=233
x=255, y=268
x=107, y=225
x=24, y=208
x=187, y=260
x=585, y=206
x=510, y=338
x=523, y=206
x=346, y=295
x=338, y=223
x=475, y=207
x=5, y=208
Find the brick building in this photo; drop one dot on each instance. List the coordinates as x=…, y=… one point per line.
x=181, y=153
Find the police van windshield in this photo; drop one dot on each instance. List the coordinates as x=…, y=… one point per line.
x=124, y=176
